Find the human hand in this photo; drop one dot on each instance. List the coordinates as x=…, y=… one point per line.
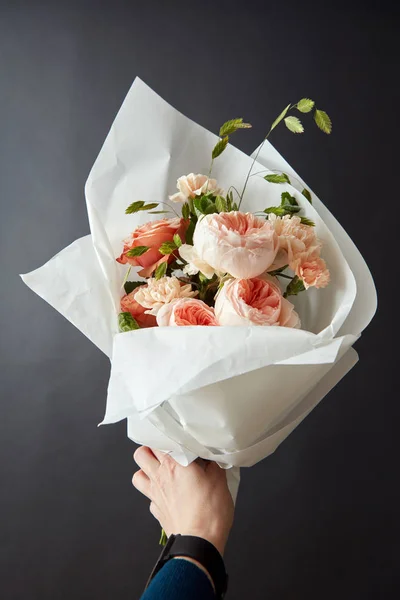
x=193, y=500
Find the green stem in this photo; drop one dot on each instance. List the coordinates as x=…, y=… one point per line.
x=163, y=538
x=252, y=165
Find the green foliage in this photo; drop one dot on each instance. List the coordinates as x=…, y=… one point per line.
x=137, y=251
x=221, y=204
x=233, y=125
x=323, y=121
x=140, y=205
x=294, y=125
x=277, y=178
x=167, y=248
x=129, y=286
x=305, y=105
x=287, y=198
x=219, y=147
x=295, y=287
x=306, y=221
x=190, y=231
x=205, y=204
x=126, y=322
x=177, y=240
x=280, y=117
x=186, y=211
x=307, y=194
x=161, y=270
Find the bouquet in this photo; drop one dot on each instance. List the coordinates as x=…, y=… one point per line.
x=225, y=294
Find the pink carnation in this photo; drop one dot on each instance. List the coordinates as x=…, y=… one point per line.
x=311, y=269
x=294, y=238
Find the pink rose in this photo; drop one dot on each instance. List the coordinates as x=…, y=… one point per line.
x=294, y=238
x=186, y=311
x=129, y=304
x=311, y=269
x=152, y=234
x=236, y=243
x=254, y=302
x=192, y=185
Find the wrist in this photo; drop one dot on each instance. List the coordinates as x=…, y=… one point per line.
x=215, y=537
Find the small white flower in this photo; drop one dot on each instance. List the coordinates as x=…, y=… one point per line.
x=192, y=185
x=195, y=263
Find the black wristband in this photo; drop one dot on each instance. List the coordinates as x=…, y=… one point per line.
x=200, y=550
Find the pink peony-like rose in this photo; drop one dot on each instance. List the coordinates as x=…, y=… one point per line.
x=192, y=185
x=194, y=262
x=236, y=243
x=152, y=234
x=311, y=269
x=138, y=312
x=186, y=311
x=294, y=238
x=158, y=292
x=254, y=302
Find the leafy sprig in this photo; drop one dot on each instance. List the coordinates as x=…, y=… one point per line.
x=126, y=322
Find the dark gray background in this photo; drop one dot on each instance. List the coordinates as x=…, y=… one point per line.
x=317, y=519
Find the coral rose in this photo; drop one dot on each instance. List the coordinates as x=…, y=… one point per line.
x=152, y=234
x=192, y=185
x=138, y=312
x=186, y=311
x=311, y=269
x=158, y=292
x=236, y=243
x=254, y=302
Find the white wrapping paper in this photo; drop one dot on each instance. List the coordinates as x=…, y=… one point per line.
x=229, y=394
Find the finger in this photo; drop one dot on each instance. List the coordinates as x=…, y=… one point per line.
x=142, y=483
x=146, y=460
x=161, y=456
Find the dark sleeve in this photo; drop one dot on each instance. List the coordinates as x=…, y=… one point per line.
x=179, y=580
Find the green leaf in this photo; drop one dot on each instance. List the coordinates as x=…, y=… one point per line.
x=235, y=207
x=137, y=251
x=205, y=205
x=233, y=125
x=167, y=248
x=126, y=322
x=177, y=240
x=129, y=286
x=277, y=178
x=295, y=287
x=134, y=207
x=305, y=105
x=161, y=270
x=149, y=206
x=279, y=211
x=306, y=221
x=287, y=198
x=159, y=212
x=294, y=124
x=186, y=211
x=323, y=121
x=279, y=119
x=140, y=205
x=221, y=204
x=290, y=209
x=307, y=194
x=189, y=232
x=219, y=147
